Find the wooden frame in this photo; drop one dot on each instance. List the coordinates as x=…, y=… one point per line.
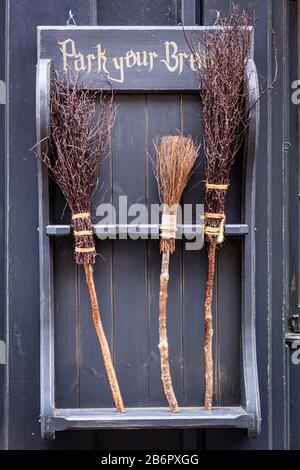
x=247, y=415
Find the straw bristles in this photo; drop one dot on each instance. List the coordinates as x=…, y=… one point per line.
x=175, y=158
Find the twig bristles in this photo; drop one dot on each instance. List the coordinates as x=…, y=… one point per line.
x=225, y=100
x=81, y=122
x=79, y=135
x=175, y=158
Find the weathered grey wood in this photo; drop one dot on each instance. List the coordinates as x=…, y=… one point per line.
x=188, y=12
x=228, y=308
x=210, y=9
x=142, y=13
x=194, y=273
x=145, y=230
x=280, y=283
x=46, y=286
x=155, y=390
x=151, y=417
x=66, y=325
x=2, y=210
x=129, y=256
x=250, y=387
x=228, y=334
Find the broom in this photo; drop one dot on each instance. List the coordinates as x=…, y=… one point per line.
x=175, y=157
x=78, y=140
x=221, y=73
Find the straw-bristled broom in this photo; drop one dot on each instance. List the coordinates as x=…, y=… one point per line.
x=175, y=157
x=222, y=78
x=79, y=135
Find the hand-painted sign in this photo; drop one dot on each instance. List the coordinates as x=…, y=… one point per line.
x=99, y=60
x=145, y=58
x=126, y=58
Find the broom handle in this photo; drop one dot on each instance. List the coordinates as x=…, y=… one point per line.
x=89, y=275
x=163, y=338
x=208, y=346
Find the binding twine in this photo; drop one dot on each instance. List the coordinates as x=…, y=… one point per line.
x=216, y=231
x=83, y=233
x=84, y=250
x=168, y=229
x=217, y=187
x=81, y=215
x=168, y=226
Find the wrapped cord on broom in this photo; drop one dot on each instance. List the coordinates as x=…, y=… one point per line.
x=175, y=157
x=79, y=136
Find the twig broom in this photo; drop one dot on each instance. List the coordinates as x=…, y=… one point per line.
x=175, y=157
x=79, y=136
x=221, y=73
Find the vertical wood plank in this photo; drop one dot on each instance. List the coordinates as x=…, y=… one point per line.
x=154, y=12
x=129, y=256
x=194, y=268
x=65, y=288
x=22, y=279
x=188, y=12
x=194, y=274
x=210, y=9
x=228, y=305
x=293, y=404
x=66, y=325
x=229, y=323
x=163, y=119
x=221, y=297
x=2, y=207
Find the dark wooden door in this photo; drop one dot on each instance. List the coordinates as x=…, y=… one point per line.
x=128, y=275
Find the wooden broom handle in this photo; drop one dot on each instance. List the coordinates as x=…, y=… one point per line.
x=208, y=343
x=89, y=275
x=163, y=338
